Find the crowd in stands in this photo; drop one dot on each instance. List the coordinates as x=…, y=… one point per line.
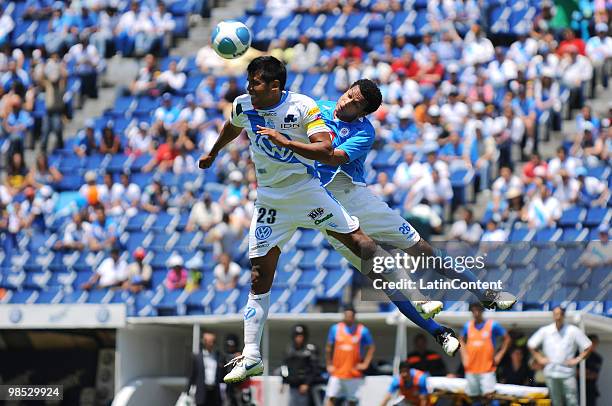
x=459, y=113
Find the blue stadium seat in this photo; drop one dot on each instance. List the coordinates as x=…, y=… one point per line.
x=223, y=301
x=335, y=281
x=574, y=234
x=171, y=304
x=286, y=278
x=334, y=260
x=309, y=239
x=118, y=163
x=81, y=278
x=22, y=296
x=123, y=104
x=163, y=222
x=188, y=240
x=311, y=277
x=50, y=296
x=596, y=216
x=195, y=301
x=141, y=179
x=137, y=222
x=76, y=296
x=136, y=239
x=572, y=217
x=521, y=234
x=300, y=299
x=101, y=296
x=36, y=280
x=278, y=299
x=548, y=234
x=311, y=258
x=159, y=260
x=146, y=105
x=161, y=241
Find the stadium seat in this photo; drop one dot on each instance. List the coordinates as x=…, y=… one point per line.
x=51, y=295
x=309, y=239
x=101, y=296
x=334, y=260
x=300, y=299
x=574, y=234
x=224, y=301
x=311, y=258
x=548, y=234
x=311, y=277
x=195, y=303
x=335, y=281
x=596, y=216
x=171, y=304
x=74, y=297
x=572, y=216
x=23, y=296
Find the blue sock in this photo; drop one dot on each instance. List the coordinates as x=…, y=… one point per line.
x=408, y=310
x=465, y=276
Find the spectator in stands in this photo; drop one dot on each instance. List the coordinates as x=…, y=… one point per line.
x=43, y=174
x=411, y=385
x=206, y=372
x=228, y=95
x=53, y=81
x=226, y=273
x=503, y=184
x=110, y=143
x=61, y=35
x=6, y=27
x=75, y=234
x=102, y=32
x=543, y=209
x=111, y=272
x=87, y=141
x=204, y=214
x=409, y=172
x=145, y=82
x=454, y=111
x=592, y=192
x=348, y=353
x=166, y=115
x=176, y=277
x=435, y=191
x=586, y=119
x=576, y=70
x=546, y=94
x=305, y=55
x=424, y=359
x=140, y=140
x=516, y=371
x=563, y=162
x=14, y=76
x=93, y=194
x=125, y=196
x=478, y=353
x=207, y=94
x=208, y=61
x=280, y=49
x=191, y=119
x=139, y=273
x=16, y=174
x=524, y=108
x=171, y=80
x=566, y=189
x=300, y=369
x=18, y=125
x=569, y=42
x=383, y=187
x=555, y=346
x=599, y=51
x=10, y=225
x=594, y=362
x=508, y=129
x=163, y=24
x=165, y=155
x=598, y=253
x=466, y=229
x=477, y=47
x=406, y=132
x=534, y=168
x=104, y=232
x=155, y=197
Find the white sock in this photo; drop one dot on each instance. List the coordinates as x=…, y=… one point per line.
x=255, y=316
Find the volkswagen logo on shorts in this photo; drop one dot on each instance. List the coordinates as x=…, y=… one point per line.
x=273, y=151
x=263, y=232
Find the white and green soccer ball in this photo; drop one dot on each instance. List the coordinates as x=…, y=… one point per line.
x=231, y=39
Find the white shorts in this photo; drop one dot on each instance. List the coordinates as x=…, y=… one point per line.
x=376, y=219
x=343, y=388
x=480, y=384
x=280, y=211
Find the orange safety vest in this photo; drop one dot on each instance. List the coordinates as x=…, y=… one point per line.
x=347, y=352
x=411, y=392
x=480, y=349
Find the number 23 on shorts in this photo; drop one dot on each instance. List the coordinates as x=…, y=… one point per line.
x=267, y=216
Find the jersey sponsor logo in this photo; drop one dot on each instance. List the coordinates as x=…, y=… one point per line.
x=273, y=151
x=263, y=232
x=407, y=230
x=262, y=244
x=316, y=213
x=319, y=221
x=249, y=313
x=267, y=113
x=290, y=121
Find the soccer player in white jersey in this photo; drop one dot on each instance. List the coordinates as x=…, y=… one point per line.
x=288, y=192
x=343, y=174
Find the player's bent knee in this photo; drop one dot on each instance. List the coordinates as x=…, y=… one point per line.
x=367, y=248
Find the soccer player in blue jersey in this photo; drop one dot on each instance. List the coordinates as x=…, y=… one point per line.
x=289, y=193
x=343, y=174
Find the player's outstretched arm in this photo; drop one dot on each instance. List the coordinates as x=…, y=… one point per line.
x=337, y=158
x=318, y=149
x=229, y=133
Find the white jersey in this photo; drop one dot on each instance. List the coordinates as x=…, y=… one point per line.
x=296, y=116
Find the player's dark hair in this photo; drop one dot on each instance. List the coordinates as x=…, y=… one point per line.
x=371, y=94
x=562, y=308
x=271, y=69
x=404, y=365
x=349, y=308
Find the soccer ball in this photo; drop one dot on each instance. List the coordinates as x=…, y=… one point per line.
x=231, y=39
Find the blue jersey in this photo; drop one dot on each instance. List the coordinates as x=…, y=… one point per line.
x=354, y=138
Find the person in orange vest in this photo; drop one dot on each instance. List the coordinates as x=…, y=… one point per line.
x=410, y=385
x=478, y=354
x=347, y=342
